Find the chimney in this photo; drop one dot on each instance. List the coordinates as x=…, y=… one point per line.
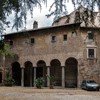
x=35, y=25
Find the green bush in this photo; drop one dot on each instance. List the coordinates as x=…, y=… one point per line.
x=51, y=78
x=39, y=82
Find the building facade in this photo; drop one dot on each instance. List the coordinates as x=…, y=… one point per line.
x=70, y=52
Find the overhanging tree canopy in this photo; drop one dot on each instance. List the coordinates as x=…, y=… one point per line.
x=21, y=7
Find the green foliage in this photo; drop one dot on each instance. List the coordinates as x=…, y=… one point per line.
x=5, y=50
x=21, y=7
x=51, y=78
x=60, y=9
x=39, y=82
x=8, y=80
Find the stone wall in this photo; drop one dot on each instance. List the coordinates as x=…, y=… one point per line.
x=45, y=49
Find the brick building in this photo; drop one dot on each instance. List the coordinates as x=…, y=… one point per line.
x=68, y=50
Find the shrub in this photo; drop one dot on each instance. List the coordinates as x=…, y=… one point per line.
x=39, y=82
x=51, y=78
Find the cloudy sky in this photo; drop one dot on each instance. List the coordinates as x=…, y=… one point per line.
x=39, y=16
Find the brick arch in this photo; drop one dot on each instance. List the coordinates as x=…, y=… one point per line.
x=55, y=62
x=28, y=64
x=14, y=63
x=41, y=62
x=71, y=60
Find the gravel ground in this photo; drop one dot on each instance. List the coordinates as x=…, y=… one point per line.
x=25, y=93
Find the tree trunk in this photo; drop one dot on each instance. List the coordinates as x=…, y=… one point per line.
x=3, y=69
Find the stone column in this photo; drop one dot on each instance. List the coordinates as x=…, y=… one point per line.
x=22, y=77
x=34, y=76
x=48, y=73
x=78, y=76
x=63, y=77
x=30, y=77
x=79, y=73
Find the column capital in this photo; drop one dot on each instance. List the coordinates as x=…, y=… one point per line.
x=34, y=66
x=48, y=66
x=22, y=67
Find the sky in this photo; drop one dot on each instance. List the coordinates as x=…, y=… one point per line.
x=39, y=16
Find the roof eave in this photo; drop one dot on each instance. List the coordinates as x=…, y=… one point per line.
x=43, y=28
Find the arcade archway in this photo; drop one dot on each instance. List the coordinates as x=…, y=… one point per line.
x=71, y=72
x=56, y=71
x=41, y=70
x=28, y=74
x=16, y=73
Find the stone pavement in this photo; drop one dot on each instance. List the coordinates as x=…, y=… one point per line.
x=27, y=93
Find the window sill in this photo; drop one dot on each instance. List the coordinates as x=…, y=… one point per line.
x=91, y=58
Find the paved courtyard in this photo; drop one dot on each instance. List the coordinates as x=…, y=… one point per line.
x=25, y=93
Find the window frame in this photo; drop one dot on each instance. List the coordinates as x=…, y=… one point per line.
x=88, y=53
x=90, y=34
x=31, y=40
x=65, y=37
x=53, y=38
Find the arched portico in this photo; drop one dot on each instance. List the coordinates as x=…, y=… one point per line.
x=41, y=70
x=71, y=72
x=56, y=71
x=16, y=73
x=28, y=74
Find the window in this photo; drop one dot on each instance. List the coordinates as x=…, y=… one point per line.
x=53, y=38
x=32, y=40
x=65, y=37
x=91, y=53
x=90, y=35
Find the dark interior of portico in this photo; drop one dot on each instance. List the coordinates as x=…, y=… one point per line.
x=0, y=77
x=41, y=71
x=71, y=73
x=56, y=71
x=16, y=73
x=28, y=74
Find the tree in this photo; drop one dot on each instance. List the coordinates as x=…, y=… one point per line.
x=21, y=7
x=60, y=9
x=4, y=51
